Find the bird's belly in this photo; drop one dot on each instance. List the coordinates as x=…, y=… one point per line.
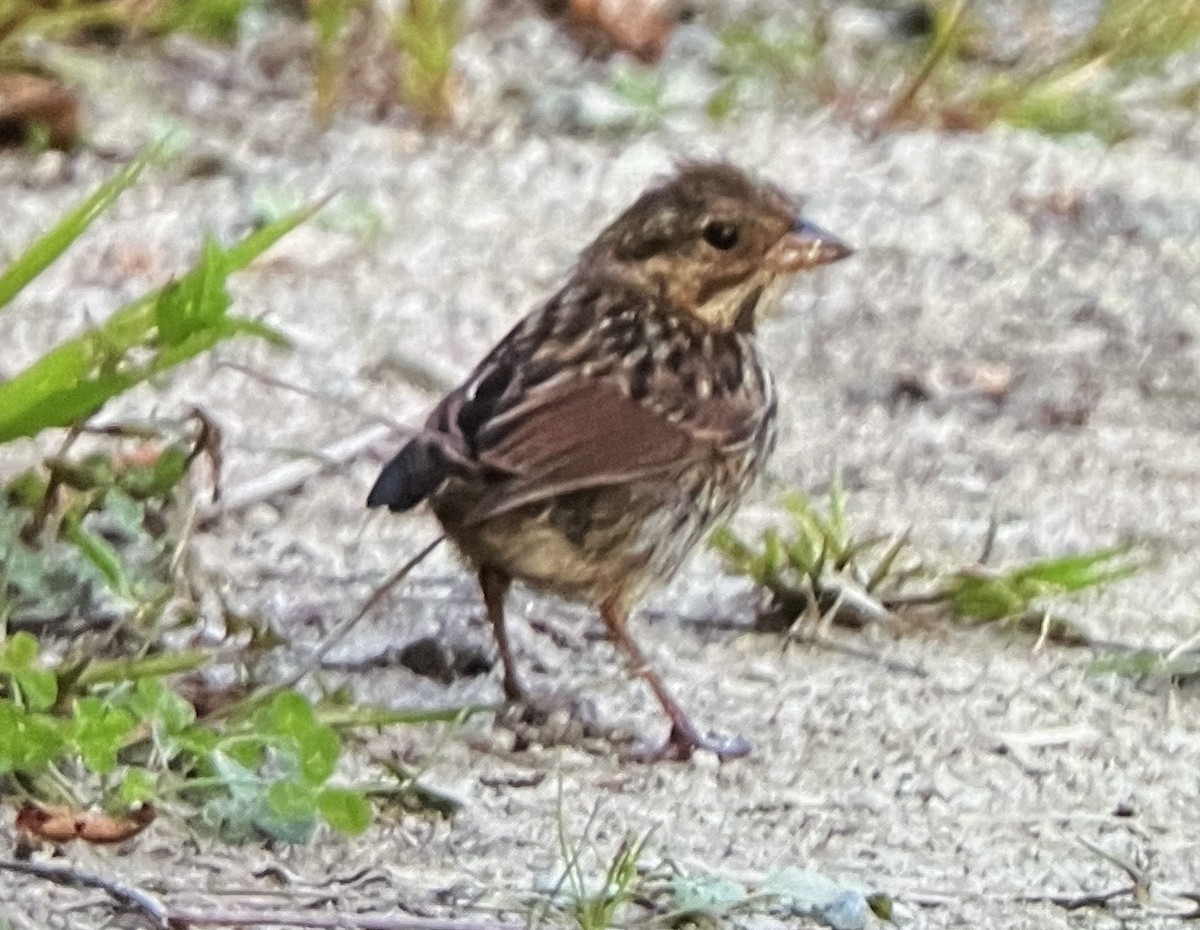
x=609, y=542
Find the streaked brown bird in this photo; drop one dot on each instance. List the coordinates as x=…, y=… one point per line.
x=597, y=443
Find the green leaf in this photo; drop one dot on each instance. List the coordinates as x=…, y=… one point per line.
x=28, y=742
x=766, y=566
x=288, y=714
x=27, y=489
x=39, y=688
x=319, y=749
x=102, y=555
x=292, y=800
x=426, y=32
x=92, y=473
x=98, y=732
x=736, y=552
x=290, y=812
x=316, y=746
x=246, y=753
x=984, y=598
x=199, y=742
x=20, y=652
x=838, y=532
x=159, y=479
x=47, y=248
x=1076, y=572
x=137, y=785
x=1060, y=112
x=346, y=811
x=216, y=20
x=152, y=700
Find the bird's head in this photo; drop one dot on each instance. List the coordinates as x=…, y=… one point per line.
x=714, y=243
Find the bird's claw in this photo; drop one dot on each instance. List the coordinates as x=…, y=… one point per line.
x=683, y=743
x=553, y=720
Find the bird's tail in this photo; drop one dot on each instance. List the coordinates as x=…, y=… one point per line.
x=415, y=473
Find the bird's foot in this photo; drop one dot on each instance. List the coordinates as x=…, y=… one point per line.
x=683, y=743
x=555, y=720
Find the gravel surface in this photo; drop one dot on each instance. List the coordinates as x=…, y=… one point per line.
x=961, y=793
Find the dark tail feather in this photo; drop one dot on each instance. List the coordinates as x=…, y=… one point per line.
x=409, y=478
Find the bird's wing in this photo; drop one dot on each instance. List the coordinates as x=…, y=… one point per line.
x=552, y=409
x=581, y=434
x=578, y=431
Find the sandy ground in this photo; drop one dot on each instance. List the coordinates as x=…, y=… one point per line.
x=960, y=793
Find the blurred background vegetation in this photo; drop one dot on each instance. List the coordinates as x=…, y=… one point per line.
x=884, y=64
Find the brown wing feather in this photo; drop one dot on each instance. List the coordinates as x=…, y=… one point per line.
x=572, y=399
x=583, y=434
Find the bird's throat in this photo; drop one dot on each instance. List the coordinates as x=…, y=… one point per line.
x=740, y=307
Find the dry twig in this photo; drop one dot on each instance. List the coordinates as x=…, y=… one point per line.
x=125, y=895
x=903, y=101
x=338, y=632
x=320, y=919
x=169, y=918
x=293, y=475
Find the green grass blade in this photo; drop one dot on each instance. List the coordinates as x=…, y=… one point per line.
x=983, y=597
x=737, y=555
x=197, y=301
x=102, y=555
x=108, y=671
x=1076, y=572
x=1143, y=33
x=837, y=514
x=884, y=569
x=46, y=249
x=366, y=715
x=243, y=253
x=1146, y=663
x=994, y=596
x=179, y=321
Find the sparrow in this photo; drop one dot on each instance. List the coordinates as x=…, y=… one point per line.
x=609, y=430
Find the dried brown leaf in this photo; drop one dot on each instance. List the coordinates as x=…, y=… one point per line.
x=62, y=824
x=31, y=104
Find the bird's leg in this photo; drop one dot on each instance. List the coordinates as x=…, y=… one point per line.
x=684, y=738
x=495, y=585
x=535, y=719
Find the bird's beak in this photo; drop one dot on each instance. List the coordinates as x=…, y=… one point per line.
x=806, y=245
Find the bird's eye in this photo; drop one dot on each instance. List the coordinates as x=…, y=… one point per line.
x=723, y=236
